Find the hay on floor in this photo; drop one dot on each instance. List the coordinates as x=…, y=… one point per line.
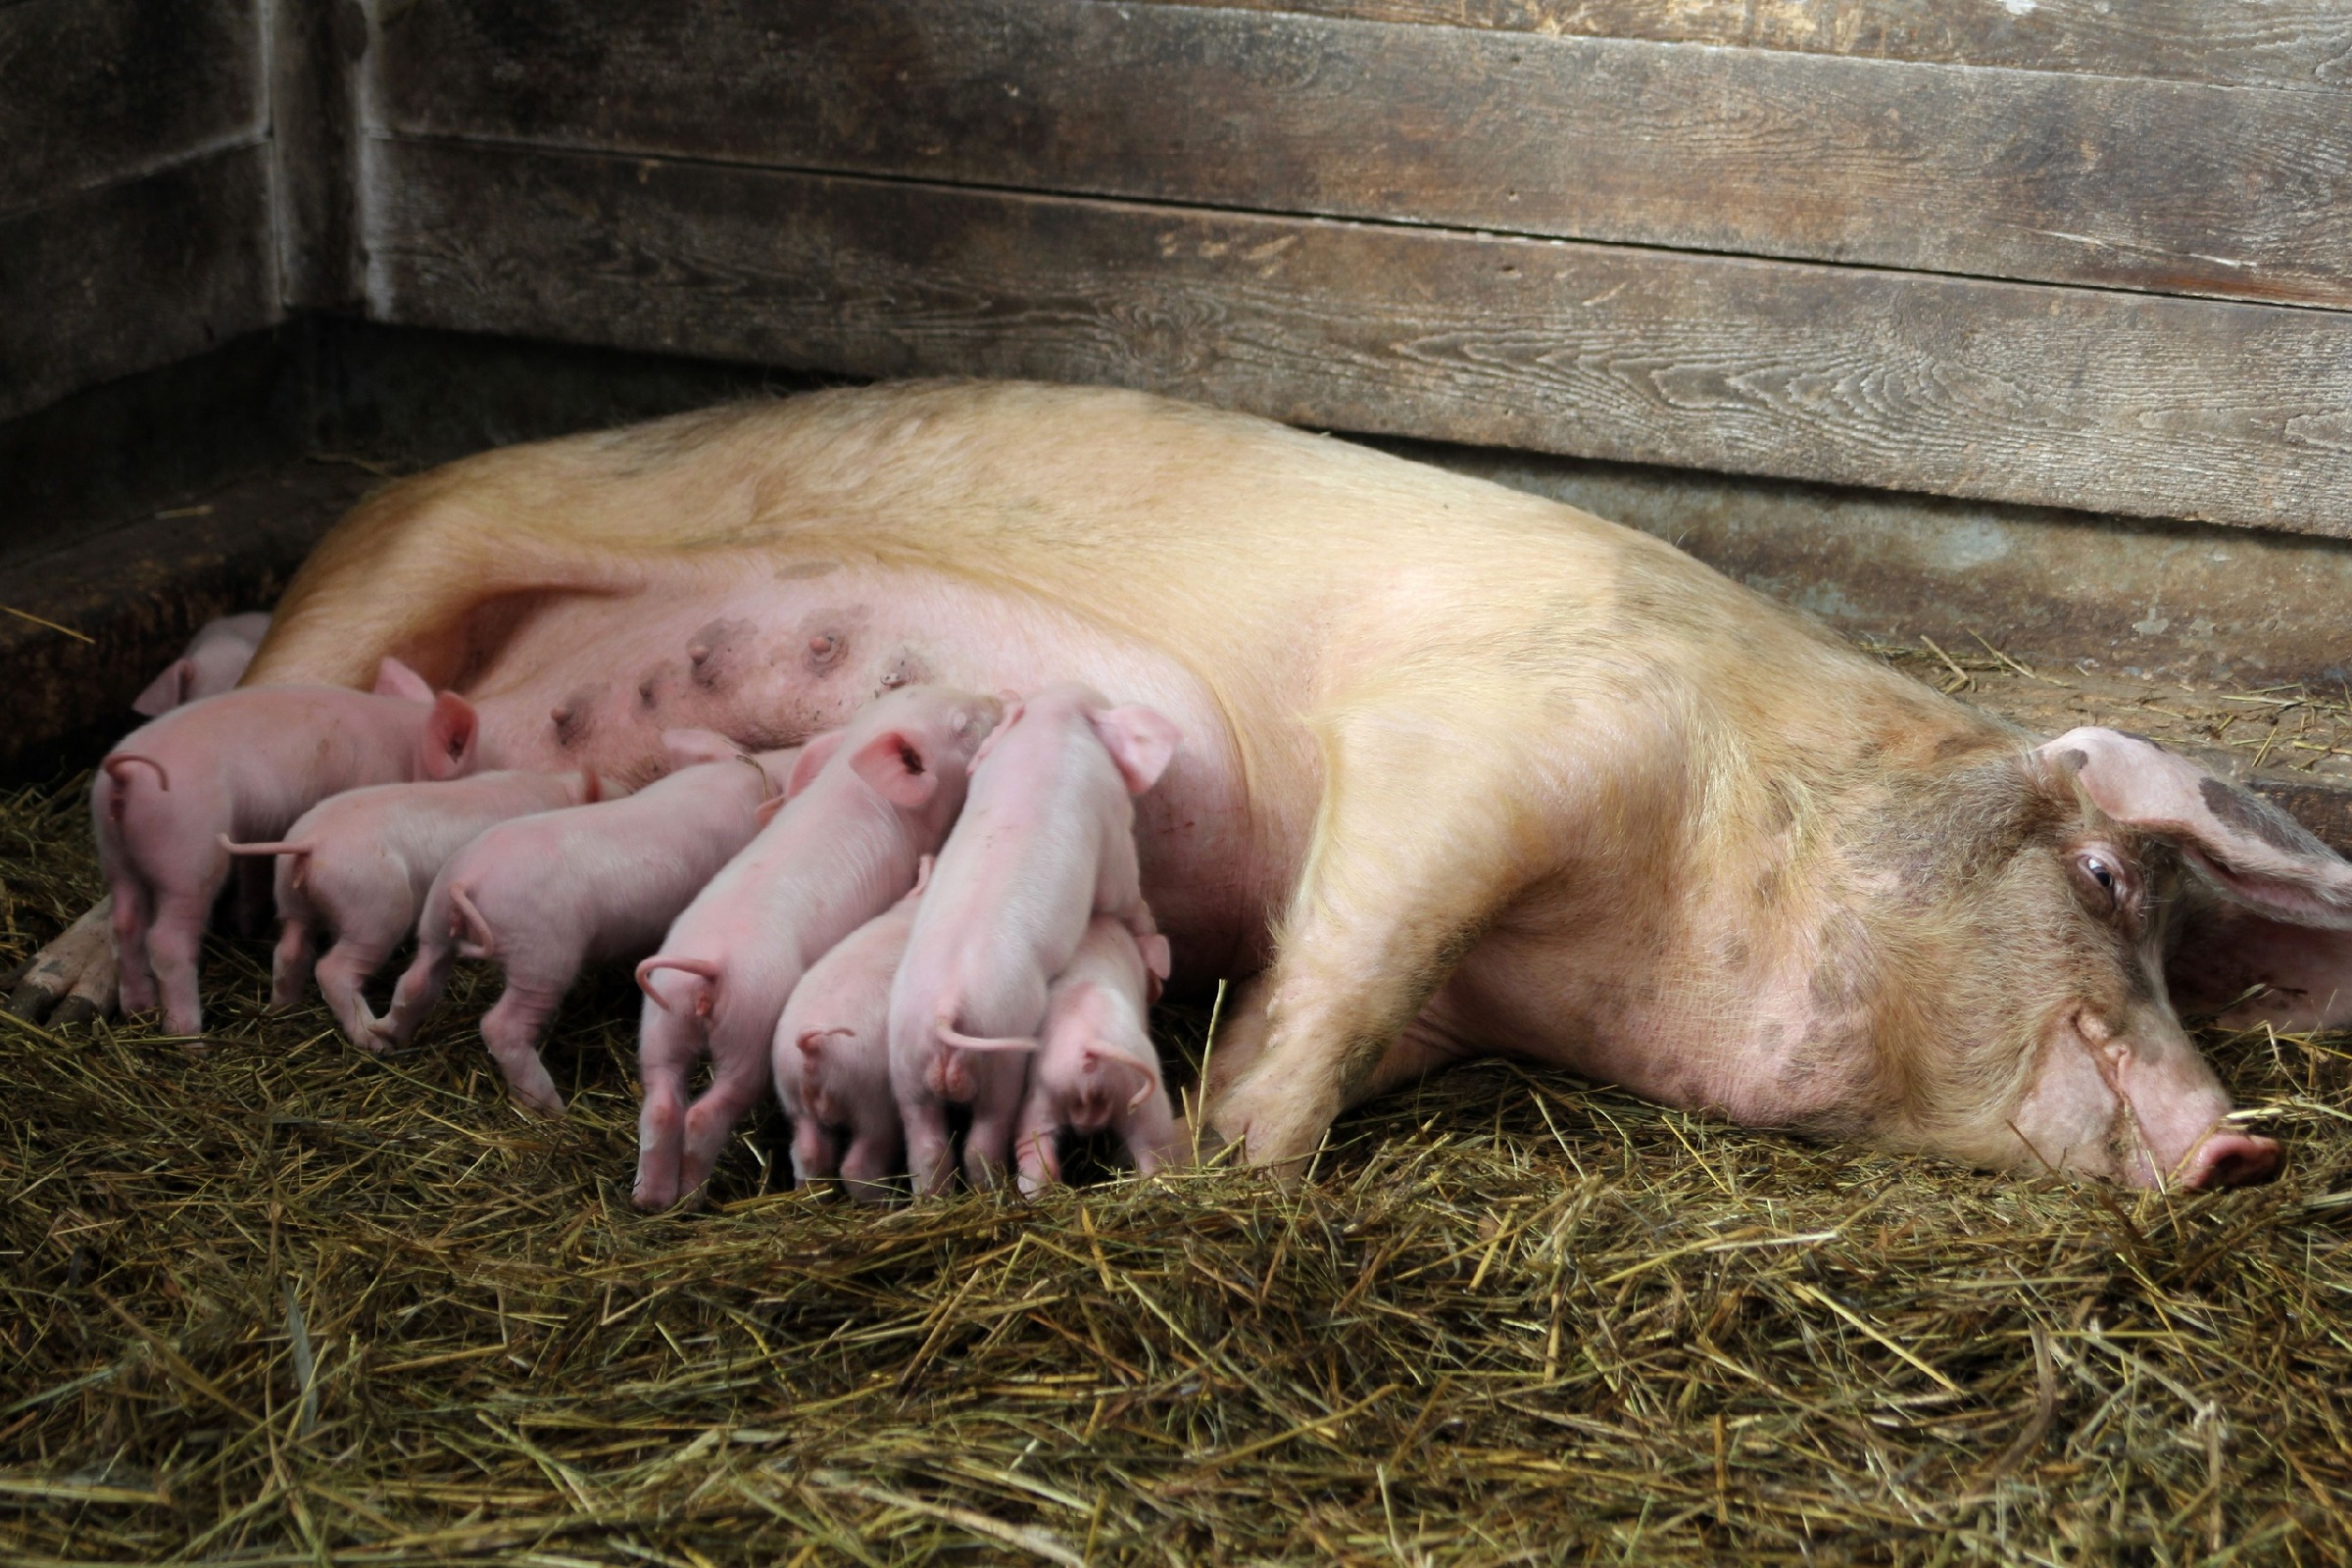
x=288, y=1303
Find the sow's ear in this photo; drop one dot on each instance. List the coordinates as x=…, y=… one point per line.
x=2284, y=915
x=450, y=733
x=167, y=690
x=894, y=763
x=395, y=679
x=1140, y=741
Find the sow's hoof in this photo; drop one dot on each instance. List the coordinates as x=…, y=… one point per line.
x=77, y=968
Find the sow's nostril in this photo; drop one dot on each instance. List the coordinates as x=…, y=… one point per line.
x=2231, y=1160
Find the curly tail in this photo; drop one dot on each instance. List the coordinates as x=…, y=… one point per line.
x=475, y=940
x=113, y=767
x=703, y=968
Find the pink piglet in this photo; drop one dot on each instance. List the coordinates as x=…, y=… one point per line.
x=243, y=765
x=1095, y=1069
x=360, y=863
x=867, y=803
x=831, y=1057
x=543, y=895
x=1047, y=843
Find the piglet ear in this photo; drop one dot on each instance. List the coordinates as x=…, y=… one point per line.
x=1141, y=740
x=167, y=690
x=894, y=764
x=811, y=761
x=451, y=732
x=2268, y=935
x=395, y=679
x=691, y=747
x=1156, y=961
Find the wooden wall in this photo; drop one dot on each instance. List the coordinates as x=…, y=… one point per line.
x=135, y=189
x=2076, y=253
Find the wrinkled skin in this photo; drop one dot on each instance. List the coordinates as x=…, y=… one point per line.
x=241, y=768
x=1095, y=1070
x=543, y=896
x=864, y=807
x=1047, y=843
x=360, y=863
x=1462, y=770
x=214, y=662
x=830, y=1058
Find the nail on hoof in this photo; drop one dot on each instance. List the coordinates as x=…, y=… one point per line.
x=74, y=1010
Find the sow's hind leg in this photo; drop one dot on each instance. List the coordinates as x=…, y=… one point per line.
x=1416, y=846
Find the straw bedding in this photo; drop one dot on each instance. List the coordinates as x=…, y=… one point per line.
x=287, y=1302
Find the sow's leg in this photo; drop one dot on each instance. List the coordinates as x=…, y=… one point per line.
x=1416, y=846
x=83, y=952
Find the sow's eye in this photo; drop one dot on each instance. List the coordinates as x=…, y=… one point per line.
x=2105, y=878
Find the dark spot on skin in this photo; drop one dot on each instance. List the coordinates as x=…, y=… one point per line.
x=1731, y=952
x=806, y=568
x=714, y=653
x=2073, y=761
x=2241, y=812
x=2135, y=735
x=574, y=717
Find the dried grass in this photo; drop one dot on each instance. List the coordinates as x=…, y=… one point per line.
x=286, y=1303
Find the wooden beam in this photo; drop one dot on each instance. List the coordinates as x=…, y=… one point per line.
x=2294, y=45
x=98, y=90
x=134, y=274
x=2138, y=404
x=2164, y=186
x=315, y=50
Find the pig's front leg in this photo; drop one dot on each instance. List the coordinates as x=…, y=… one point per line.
x=1417, y=844
x=80, y=952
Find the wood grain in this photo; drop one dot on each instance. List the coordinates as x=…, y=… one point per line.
x=2297, y=45
x=96, y=91
x=2164, y=186
x=134, y=274
x=2138, y=404
x=316, y=50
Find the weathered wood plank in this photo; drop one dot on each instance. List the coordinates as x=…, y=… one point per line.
x=2128, y=402
x=2003, y=174
x=134, y=274
x=2299, y=45
x=315, y=46
x=95, y=90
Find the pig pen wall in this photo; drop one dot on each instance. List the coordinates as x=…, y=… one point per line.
x=1959, y=320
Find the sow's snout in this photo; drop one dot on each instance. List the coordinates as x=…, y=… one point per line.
x=2137, y=1105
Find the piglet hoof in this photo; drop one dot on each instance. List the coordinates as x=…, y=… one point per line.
x=78, y=962
x=549, y=1107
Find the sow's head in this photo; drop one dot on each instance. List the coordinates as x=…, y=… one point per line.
x=2129, y=887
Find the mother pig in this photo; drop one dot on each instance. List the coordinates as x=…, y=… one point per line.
x=1462, y=770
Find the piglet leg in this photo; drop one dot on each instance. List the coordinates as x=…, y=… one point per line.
x=738, y=1078
x=668, y=1045
x=58, y=968
x=1036, y=1145
x=870, y=1165
x=513, y=1030
x=930, y=1150
x=290, y=965
x=173, y=944
x=420, y=986
x=133, y=919
x=815, y=1152
x=342, y=974
x=988, y=1145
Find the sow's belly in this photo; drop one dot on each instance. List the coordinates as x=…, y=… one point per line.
x=769, y=659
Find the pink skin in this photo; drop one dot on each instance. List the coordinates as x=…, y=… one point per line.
x=215, y=661
x=866, y=805
x=360, y=863
x=1095, y=1069
x=1047, y=843
x=831, y=1057
x=543, y=896
x=243, y=765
